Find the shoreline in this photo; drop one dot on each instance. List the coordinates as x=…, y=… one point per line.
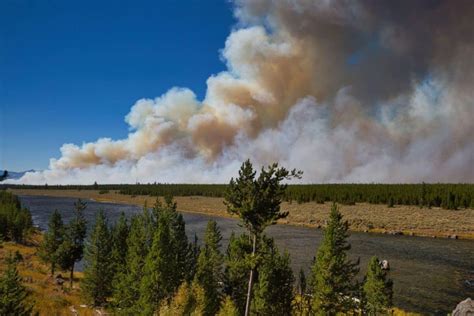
x=365, y=218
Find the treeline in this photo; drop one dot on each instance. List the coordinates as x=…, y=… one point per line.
x=448, y=196
x=146, y=265
x=15, y=221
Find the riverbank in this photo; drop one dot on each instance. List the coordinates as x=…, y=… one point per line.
x=372, y=218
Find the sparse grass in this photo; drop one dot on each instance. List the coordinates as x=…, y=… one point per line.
x=399, y=312
x=375, y=218
x=47, y=297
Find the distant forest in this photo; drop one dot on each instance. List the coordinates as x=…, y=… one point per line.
x=448, y=196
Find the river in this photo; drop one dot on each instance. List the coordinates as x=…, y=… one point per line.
x=428, y=273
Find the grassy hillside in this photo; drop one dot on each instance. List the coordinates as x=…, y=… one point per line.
x=48, y=297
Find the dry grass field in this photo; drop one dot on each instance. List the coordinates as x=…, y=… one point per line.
x=409, y=220
x=48, y=297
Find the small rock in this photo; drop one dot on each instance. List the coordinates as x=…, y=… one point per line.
x=385, y=265
x=469, y=283
x=396, y=233
x=454, y=236
x=464, y=308
x=59, y=280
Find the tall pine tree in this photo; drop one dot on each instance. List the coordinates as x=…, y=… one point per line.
x=236, y=269
x=333, y=274
x=377, y=290
x=119, y=235
x=72, y=248
x=209, y=269
x=273, y=291
x=98, y=273
x=53, y=238
x=256, y=200
x=159, y=274
x=127, y=280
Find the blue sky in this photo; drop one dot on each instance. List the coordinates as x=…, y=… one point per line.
x=71, y=70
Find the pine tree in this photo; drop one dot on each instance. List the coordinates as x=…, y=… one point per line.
x=127, y=281
x=185, y=252
x=158, y=281
x=119, y=235
x=209, y=268
x=98, y=272
x=185, y=260
x=72, y=248
x=53, y=238
x=333, y=273
x=377, y=290
x=303, y=304
x=256, y=200
x=273, y=292
x=228, y=308
x=236, y=269
x=13, y=294
x=188, y=300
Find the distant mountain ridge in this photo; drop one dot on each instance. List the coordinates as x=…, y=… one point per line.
x=14, y=174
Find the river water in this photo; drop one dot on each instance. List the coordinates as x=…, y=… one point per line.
x=428, y=273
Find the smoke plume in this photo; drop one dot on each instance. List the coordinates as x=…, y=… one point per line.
x=346, y=90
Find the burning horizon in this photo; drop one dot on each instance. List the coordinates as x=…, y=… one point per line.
x=347, y=91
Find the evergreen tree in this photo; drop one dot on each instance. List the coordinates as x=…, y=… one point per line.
x=256, y=200
x=98, y=272
x=185, y=252
x=188, y=300
x=185, y=260
x=391, y=202
x=423, y=197
x=209, y=268
x=159, y=276
x=53, y=238
x=273, y=292
x=127, y=280
x=72, y=248
x=119, y=235
x=228, y=308
x=13, y=294
x=377, y=290
x=236, y=269
x=303, y=304
x=333, y=273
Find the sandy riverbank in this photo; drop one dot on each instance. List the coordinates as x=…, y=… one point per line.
x=409, y=220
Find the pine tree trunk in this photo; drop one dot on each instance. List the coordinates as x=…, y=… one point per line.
x=249, y=290
x=71, y=276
